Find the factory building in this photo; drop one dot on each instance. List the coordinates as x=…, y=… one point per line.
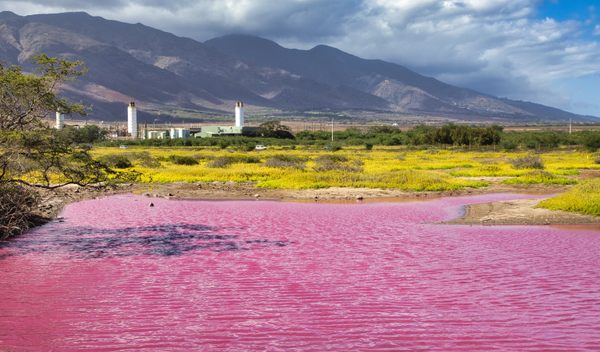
x=203, y=132
x=179, y=133
x=237, y=130
x=156, y=135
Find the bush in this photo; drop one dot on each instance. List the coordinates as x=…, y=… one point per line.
x=143, y=158
x=509, y=145
x=539, y=177
x=17, y=205
x=118, y=161
x=220, y=162
x=528, y=162
x=369, y=146
x=224, y=161
x=247, y=147
x=286, y=161
x=591, y=141
x=337, y=163
x=182, y=160
x=334, y=147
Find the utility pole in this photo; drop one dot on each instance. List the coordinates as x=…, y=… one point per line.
x=332, y=129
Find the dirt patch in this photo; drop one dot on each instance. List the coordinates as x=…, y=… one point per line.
x=233, y=190
x=52, y=202
x=520, y=212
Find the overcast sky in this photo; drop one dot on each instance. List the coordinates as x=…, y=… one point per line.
x=546, y=51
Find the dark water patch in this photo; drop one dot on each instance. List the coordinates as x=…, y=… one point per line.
x=160, y=240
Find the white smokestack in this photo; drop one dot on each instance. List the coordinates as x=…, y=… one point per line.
x=60, y=121
x=239, y=114
x=132, y=120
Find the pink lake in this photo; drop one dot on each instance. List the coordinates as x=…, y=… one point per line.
x=117, y=274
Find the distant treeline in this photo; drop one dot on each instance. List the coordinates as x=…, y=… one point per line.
x=446, y=135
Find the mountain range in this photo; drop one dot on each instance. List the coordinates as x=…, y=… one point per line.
x=171, y=76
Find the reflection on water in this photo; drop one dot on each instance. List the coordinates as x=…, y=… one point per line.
x=117, y=274
x=163, y=240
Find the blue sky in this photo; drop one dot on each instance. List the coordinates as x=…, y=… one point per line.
x=584, y=90
x=545, y=51
x=579, y=10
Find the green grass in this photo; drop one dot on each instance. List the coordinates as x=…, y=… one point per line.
x=539, y=178
x=583, y=198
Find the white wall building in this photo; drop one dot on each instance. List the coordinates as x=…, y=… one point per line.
x=132, y=126
x=179, y=133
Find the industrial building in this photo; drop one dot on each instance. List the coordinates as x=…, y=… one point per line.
x=202, y=132
x=135, y=131
x=237, y=130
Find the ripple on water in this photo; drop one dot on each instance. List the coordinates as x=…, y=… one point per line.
x=188, y=275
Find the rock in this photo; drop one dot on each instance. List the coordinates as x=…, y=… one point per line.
x=151, y=205
x=359, y=197
x=170, y=194
x=257, y=195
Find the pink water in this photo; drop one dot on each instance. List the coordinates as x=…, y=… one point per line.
x=255, y=276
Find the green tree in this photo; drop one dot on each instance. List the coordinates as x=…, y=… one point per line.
x=26, y=99
x=275, y=129
x=32, y=155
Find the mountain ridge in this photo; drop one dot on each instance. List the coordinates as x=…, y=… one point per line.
x=176, y=75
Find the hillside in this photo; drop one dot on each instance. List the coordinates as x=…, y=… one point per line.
x=174, y=76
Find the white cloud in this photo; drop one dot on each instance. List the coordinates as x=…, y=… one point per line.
x=495, y=46
x=597, y=29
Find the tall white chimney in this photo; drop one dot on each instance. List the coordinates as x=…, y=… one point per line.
x=239, y=114
x=132, y=120
x=60, y=121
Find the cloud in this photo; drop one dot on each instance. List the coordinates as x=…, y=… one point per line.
x=495, y=46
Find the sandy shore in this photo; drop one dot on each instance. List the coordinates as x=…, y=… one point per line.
x=521, y=212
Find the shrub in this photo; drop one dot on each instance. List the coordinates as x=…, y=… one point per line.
x=286, y=161
x=334, y=147
x=17, y=205
x=224, y=161
x=223, y=144
x=143, y=158
x=220, y=162
x=539, y=177
x=591, y=141
x=509, y=145
x=528, y=162
x=337, y=163
x=182, y=160
x=369, y=146
x=118, y=161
